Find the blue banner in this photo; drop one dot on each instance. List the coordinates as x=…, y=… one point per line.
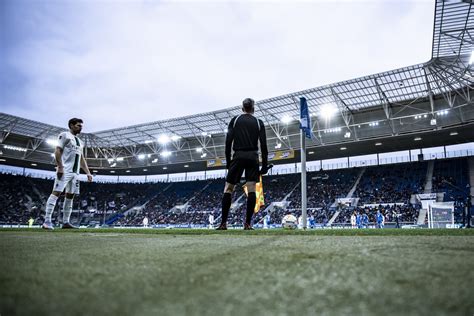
x=305, y=118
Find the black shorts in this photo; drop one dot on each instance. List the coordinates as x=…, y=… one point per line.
x=241, y=161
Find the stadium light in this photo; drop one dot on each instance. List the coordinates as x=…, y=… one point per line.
x=343, y=148
x=332, y=130
x=34, y=165
x=278, y=145
x=113, y=165
x=141, y=156
x=163, y=139
x=327, y=111
x=186, y=166
x=417, y=139
x=15, y=148
x=443, y=112
x=225, y=130
x=204, y=133
x=199, y=150
x=3, y=160
x=378, y=144
x=347, y=135
x=471, y=60
x=52, y=155
x=154, y=160
x=148, y=141
x=175, y=138
x=164, y=168
x=52, y=142
x=120, y=159
x=112, y=171
x=145, y=169
x=286, y=119
x=204, y=155
x=453, y=133
x=165, y=154
x=311, y=152
x=127, y=171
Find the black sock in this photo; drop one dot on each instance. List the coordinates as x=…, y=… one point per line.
x=251, y=200
x=226, y=203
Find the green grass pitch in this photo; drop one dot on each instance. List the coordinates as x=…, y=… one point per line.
x=236, y=272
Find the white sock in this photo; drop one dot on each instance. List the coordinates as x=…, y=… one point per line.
x=50, y=204
x=67, y=210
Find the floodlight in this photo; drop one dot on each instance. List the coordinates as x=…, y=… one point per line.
x=286, y=119
x=141, y=156
x=52, y=142
x=327, y=111
x=471, y=60
x=175, y=138
x=165, y=154
x=163, y=139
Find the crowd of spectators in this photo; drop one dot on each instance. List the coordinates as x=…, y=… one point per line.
x=191, y=202
x=391, y=183
x=404, y=213
x=324, y=187
x=451, y=177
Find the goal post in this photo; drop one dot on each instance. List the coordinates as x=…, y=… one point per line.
x=441, y=215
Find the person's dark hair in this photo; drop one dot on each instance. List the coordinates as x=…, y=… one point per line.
x=248, y=105
x=74, y=121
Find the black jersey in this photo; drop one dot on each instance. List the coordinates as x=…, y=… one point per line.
x=243, y=134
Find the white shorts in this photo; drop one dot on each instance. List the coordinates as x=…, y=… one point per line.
x=68, y=181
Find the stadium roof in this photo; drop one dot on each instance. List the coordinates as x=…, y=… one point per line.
x=453, y=28
x=399, y=102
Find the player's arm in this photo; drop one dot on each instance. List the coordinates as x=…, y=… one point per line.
x=228, y=142
x=85, y=167
x=58, y=154
x=263, y=148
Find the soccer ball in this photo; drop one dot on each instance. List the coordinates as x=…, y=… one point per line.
x=289, y=222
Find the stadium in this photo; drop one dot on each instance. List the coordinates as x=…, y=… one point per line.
x=396, y=146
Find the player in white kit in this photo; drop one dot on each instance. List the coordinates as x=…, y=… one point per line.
x=69, y=159
x=211, y=221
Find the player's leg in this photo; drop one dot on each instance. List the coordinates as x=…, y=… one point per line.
x=251, y=201
x=50, y=205
x=233, y=177
x=72, y=188
x=58, y=187
x=252, y=177
x=226, y=203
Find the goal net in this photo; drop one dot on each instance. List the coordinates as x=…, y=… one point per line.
x=441, y=215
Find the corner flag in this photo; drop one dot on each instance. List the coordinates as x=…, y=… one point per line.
x=259, y=194
x=305, y=118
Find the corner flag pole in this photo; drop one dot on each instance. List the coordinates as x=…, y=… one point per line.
x=305, y=126
x=303, y=180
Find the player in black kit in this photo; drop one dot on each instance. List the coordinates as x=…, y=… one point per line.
x=243, y=134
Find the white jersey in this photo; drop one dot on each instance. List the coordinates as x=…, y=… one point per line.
x=72, y=148
x=353, y=220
